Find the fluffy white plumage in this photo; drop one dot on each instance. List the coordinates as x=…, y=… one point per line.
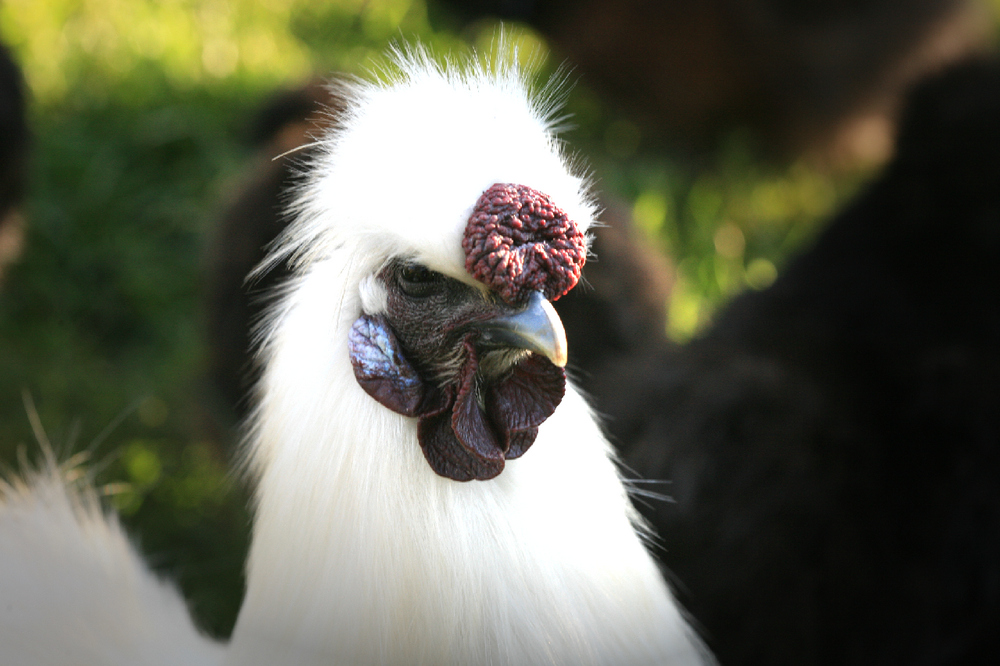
x=361, y=553
x=73, y=590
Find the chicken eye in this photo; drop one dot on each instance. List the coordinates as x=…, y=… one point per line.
x=418, y=281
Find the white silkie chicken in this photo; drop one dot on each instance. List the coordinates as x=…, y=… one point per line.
x=429, y=488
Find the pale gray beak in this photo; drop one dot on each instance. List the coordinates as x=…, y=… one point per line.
x=536, y=328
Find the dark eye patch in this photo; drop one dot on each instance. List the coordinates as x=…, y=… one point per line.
x=419, y=281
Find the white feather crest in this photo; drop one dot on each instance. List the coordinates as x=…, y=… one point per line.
x=416, y=147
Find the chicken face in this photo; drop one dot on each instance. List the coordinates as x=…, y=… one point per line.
x=480, y=367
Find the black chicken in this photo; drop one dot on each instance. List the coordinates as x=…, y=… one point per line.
x=833, y=442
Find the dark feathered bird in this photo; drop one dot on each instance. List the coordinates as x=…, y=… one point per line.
x=800, y=74
x=833, y=442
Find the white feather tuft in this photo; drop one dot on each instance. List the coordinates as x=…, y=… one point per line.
x=413, y=152
x=374, y=299
x=73, y=590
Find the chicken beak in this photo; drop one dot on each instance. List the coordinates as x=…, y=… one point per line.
x=536, y=328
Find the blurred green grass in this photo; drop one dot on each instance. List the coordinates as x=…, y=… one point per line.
x=140, y=111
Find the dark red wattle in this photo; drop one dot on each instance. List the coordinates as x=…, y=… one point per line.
x=518, y=241
x=465, y=441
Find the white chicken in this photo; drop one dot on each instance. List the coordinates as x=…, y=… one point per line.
x=429, y=489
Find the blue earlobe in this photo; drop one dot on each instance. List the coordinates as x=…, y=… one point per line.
x=380, y=367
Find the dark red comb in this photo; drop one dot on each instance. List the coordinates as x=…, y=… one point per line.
x=517, y=241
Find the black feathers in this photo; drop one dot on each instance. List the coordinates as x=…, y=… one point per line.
x=834, y=441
